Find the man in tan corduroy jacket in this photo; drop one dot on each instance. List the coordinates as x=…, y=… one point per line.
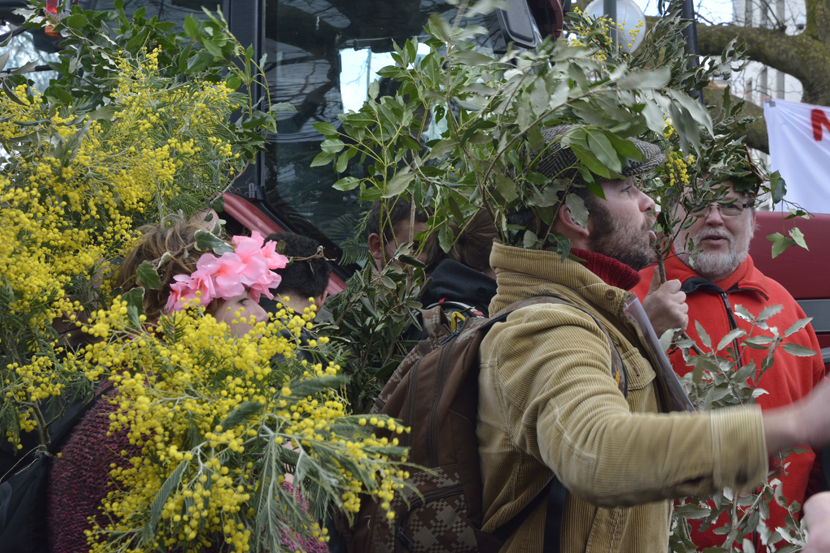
x=548, y=403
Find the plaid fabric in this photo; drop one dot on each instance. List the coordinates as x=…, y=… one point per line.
x=560, y=161
x=433, y=519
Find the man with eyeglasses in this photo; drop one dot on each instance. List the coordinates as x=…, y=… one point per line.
x=710, y=274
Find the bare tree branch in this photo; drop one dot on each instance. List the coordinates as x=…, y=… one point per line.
x=756, y=135
x=801, y=56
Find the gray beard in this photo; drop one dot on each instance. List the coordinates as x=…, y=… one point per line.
x=712, y=265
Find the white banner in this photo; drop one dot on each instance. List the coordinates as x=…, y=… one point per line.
x=799, y=147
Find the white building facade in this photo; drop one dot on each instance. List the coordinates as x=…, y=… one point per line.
x=758, y=82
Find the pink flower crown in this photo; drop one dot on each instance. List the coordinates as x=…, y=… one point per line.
x=250, y=266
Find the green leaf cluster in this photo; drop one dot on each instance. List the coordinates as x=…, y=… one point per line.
x=719, y=380
x=464, y=128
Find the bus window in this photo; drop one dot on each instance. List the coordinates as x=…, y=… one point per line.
x=321, y=56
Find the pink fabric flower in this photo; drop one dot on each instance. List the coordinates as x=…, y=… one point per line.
x=226, y=275
x=176, y=299
x=275, y=260
x=266, y=282
x=248, y=267
x=247, y=246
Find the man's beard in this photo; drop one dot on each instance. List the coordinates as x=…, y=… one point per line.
x=713, y=265
x=621, y=241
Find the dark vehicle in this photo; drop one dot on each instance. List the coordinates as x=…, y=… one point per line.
x=803, y=273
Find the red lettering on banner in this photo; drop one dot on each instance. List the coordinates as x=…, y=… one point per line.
x=819, y=119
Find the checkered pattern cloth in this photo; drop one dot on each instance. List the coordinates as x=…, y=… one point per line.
x=560, y=162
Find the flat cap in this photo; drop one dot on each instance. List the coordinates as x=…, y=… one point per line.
x=560, y=161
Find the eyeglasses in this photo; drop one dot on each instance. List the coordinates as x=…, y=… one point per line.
x=728, y=210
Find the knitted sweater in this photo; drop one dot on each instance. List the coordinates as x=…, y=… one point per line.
x=548, y=404
x=80, y=478
x=790, y=378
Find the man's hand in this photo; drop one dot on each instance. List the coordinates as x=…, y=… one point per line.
x=807, y=420
x=666, y=306
x=817, y=517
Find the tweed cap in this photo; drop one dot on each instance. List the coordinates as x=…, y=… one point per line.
x=560, y=161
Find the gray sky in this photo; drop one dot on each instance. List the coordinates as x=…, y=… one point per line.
x=715, y=11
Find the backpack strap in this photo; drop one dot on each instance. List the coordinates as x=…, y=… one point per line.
x=554, y=491
x=451, y=306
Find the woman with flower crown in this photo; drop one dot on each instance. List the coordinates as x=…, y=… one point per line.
x=228, y=287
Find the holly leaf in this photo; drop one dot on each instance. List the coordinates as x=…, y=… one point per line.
x=208, y=241
x=147, y=276
x=798, y=237
x=769, y=311
x=743, y=313
x=797, y=350
x=798, y=325
x=704, y=337
x=731, y=335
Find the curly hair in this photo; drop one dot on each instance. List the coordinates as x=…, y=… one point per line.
x=172, y=235
x=307, y=278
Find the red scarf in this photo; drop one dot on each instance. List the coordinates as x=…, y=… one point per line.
x=610, y=270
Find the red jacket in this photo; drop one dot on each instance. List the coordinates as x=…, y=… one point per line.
x=790, y=378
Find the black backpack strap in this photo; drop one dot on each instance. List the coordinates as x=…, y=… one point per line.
x=450, y=306
x=555, y=493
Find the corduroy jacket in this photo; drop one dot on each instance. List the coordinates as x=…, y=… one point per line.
x=548, y=404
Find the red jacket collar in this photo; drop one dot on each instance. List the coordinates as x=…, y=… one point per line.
x=745, y=277
x=610, y=270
